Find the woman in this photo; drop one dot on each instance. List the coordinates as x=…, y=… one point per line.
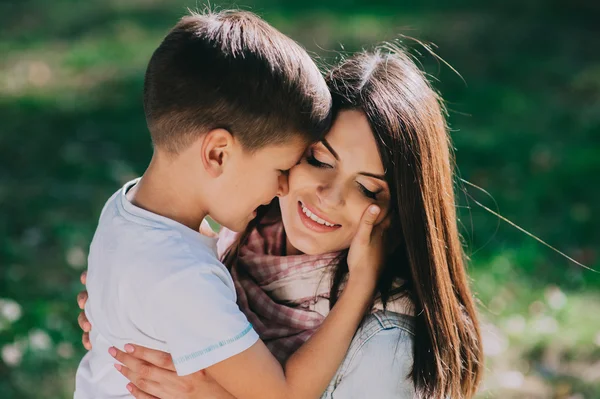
x=388, y=146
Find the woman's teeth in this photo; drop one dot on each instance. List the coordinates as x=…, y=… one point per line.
x=315, y=218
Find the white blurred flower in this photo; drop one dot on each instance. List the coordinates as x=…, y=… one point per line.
x=10, y=310
x=512, y=379
x=497, y=304
x=555, y=298
x=39, y=340
x=65, y=350
x=537, y=308
x=12, y=354
x=515, y=324
x=76, y=257
x=545, y=325
x=597, y=340
x=494, y=342
x=39, y=73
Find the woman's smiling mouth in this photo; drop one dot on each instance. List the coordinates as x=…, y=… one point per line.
x=313, y=221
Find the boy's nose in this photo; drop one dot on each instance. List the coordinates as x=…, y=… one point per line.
x=283, y=187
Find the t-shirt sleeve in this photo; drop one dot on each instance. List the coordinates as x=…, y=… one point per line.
x=196, y=313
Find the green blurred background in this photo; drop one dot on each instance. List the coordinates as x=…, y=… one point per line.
x=525, y=122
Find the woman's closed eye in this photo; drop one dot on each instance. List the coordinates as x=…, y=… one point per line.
x=312, y=160
x=368, y=193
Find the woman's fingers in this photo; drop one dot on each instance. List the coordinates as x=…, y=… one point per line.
x=82, y=319
x=145, y=370
x=83, y=322
x=86, y=341
x=138, y=393
x=131, y=362
x=157, y=358
x=82, y=298
x=144, y=386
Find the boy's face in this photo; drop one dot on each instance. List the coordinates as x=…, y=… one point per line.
x=250, y=180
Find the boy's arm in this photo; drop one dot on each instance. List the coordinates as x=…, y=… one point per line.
x=255, y=373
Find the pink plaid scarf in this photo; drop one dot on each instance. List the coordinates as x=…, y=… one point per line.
x=286, y=298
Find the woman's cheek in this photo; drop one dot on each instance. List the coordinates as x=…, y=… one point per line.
x=352, y=227
x=364, y=203
x=299, y=177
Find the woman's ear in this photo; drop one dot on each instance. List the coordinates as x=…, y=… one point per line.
x=215, y=151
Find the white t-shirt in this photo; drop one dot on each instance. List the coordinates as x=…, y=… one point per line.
x=155, y=282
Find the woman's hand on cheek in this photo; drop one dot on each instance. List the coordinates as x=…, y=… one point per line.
x=152, y=375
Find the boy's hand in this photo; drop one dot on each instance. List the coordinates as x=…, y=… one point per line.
x=84, y=323
x=366, y=254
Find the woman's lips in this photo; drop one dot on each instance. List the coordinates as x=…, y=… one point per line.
x=313, y=225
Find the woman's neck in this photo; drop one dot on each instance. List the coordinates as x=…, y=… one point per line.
x=289, y=248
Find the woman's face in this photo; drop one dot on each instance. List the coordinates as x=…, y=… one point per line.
x=330, y=189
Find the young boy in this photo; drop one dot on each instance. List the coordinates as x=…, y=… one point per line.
x=231, y=104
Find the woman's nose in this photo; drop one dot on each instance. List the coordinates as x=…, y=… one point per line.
x=331, y=195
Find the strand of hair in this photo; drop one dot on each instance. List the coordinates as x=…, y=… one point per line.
x=525, y=231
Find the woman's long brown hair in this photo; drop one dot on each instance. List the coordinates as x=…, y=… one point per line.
x=407, y=118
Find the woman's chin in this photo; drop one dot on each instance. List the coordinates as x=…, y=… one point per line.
x=310, y=245
x=305, y=245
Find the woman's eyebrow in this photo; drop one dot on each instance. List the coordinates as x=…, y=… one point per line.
x=335, y=155
x=376, y=176
x=331, y=150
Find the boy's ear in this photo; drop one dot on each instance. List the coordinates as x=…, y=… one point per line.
x=216, y=149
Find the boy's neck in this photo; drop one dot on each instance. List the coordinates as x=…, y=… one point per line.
x=162, y=190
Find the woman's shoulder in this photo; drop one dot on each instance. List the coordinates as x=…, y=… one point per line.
x=377, y=330
x=379, y=360
x=381, y=320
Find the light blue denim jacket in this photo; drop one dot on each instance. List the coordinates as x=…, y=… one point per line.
x=379, y=361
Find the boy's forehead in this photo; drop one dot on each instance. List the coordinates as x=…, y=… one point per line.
x=293, y=145
x=288, y=152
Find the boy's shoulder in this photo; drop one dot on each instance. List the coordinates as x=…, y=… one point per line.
x=150, y=245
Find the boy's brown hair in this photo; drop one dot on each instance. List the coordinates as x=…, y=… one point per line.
x=232, y=70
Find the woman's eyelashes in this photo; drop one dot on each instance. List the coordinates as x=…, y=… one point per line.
x=312, y=160
x=368, y=193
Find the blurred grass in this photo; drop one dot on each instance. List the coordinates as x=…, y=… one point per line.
x=525, y=123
